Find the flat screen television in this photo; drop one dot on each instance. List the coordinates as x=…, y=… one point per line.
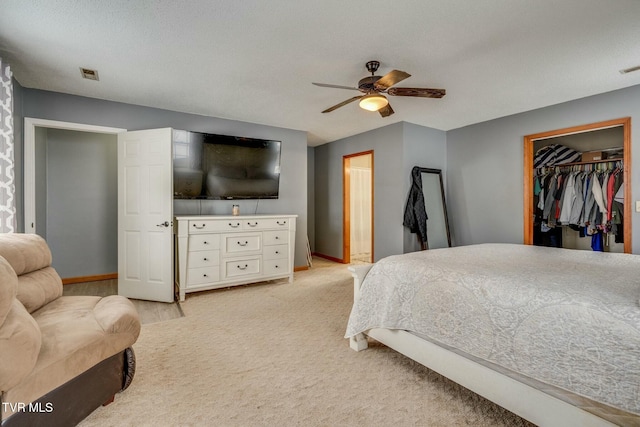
x=222, y=167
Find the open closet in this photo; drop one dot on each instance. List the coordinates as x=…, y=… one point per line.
x=577, y=189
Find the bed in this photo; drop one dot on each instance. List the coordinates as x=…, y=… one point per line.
x=550, y=334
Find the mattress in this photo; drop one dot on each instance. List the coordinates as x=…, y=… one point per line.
x=567, y=318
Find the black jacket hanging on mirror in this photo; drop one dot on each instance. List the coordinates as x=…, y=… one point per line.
x=415, y=214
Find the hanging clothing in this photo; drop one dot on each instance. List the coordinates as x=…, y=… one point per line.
x=586, y=197
x=415, y=214
x=568, y=197
x=597, y=193
x=577, y=206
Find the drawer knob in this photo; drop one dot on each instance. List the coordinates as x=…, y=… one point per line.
x=204, y=275
x=252, y=225
x=243, y=268
x=205, y=259
x=199, y=227
x=277, y=238
x=281, y=222
x=236, y=225
x=243, y=244
x=277, y=252
x=277, y=266
x=205, y=242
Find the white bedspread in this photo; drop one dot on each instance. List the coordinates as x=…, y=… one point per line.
x=565, y=317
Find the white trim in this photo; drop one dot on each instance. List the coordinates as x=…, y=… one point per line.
x=29, y=160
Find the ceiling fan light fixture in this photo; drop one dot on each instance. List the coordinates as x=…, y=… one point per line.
x=373, y=102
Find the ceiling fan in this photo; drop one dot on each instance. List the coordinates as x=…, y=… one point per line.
x=374, y=86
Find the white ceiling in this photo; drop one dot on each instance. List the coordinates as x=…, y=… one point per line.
x=255, y=60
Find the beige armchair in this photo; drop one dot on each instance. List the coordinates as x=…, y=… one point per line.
x=61, y=357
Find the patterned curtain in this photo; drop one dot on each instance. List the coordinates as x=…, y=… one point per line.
x=7, y=183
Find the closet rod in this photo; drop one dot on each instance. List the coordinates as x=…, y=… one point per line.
x=588, y=163
x=615, y=163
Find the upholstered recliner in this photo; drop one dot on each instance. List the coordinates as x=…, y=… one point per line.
x=61, y=357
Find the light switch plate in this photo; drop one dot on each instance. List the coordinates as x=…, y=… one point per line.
x=637, y=205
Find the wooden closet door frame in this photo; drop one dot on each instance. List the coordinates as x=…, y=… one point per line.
x=529, y=140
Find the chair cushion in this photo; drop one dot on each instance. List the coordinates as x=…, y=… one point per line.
x=8, y=288
x=20, y=338
x=25, y=252
x=20, y=343
x=30, y=258
x=77, y=333
x=40, y=287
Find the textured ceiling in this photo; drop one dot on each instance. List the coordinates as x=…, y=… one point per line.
x=255, y=60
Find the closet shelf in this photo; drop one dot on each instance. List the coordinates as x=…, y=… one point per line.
x=587, y=163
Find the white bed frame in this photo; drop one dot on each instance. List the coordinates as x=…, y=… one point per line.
x=525, y=401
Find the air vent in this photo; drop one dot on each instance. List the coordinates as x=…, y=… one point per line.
x=630, y=70
x=89, y=74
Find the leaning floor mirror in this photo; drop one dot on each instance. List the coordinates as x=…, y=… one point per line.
x=437, y=225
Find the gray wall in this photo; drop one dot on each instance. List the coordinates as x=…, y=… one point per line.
x=81, y=202
x=482, y=164
x=485, y=165
x=397, y=148
x=424, y=147
x=293, y=188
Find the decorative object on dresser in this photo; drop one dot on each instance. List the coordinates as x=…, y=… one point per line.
x=220, y=251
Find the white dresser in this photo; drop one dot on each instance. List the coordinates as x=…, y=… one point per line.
x=220, y=251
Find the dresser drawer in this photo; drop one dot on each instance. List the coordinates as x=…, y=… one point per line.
x=238, y=244
x=214, y=225
x=276, y=237
x=203, y=259
x=275, y=252
x=242, y=267
x=276, y=266
x=199, y=276
x=265, y=223
x=204, y=242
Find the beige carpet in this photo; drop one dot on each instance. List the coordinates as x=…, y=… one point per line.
x=274, y=355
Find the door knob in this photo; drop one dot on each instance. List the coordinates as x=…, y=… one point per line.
x=164, y=224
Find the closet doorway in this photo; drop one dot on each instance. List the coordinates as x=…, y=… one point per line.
x=358, y=207
x=585, y=138
x=70, y=195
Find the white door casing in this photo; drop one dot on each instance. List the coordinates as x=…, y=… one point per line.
x=145, y=214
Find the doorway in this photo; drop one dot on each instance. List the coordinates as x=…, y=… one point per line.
x=358, y=207
x=70, y=196
x=529, y=151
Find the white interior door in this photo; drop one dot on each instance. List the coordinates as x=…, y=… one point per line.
x=145, y=215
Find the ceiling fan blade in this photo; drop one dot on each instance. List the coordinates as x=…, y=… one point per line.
x=335, y=86
x=386, y=110
x=391, y=78
x=417, y=91
x=342, y=104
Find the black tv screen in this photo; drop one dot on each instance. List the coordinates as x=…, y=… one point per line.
x=221, y=167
